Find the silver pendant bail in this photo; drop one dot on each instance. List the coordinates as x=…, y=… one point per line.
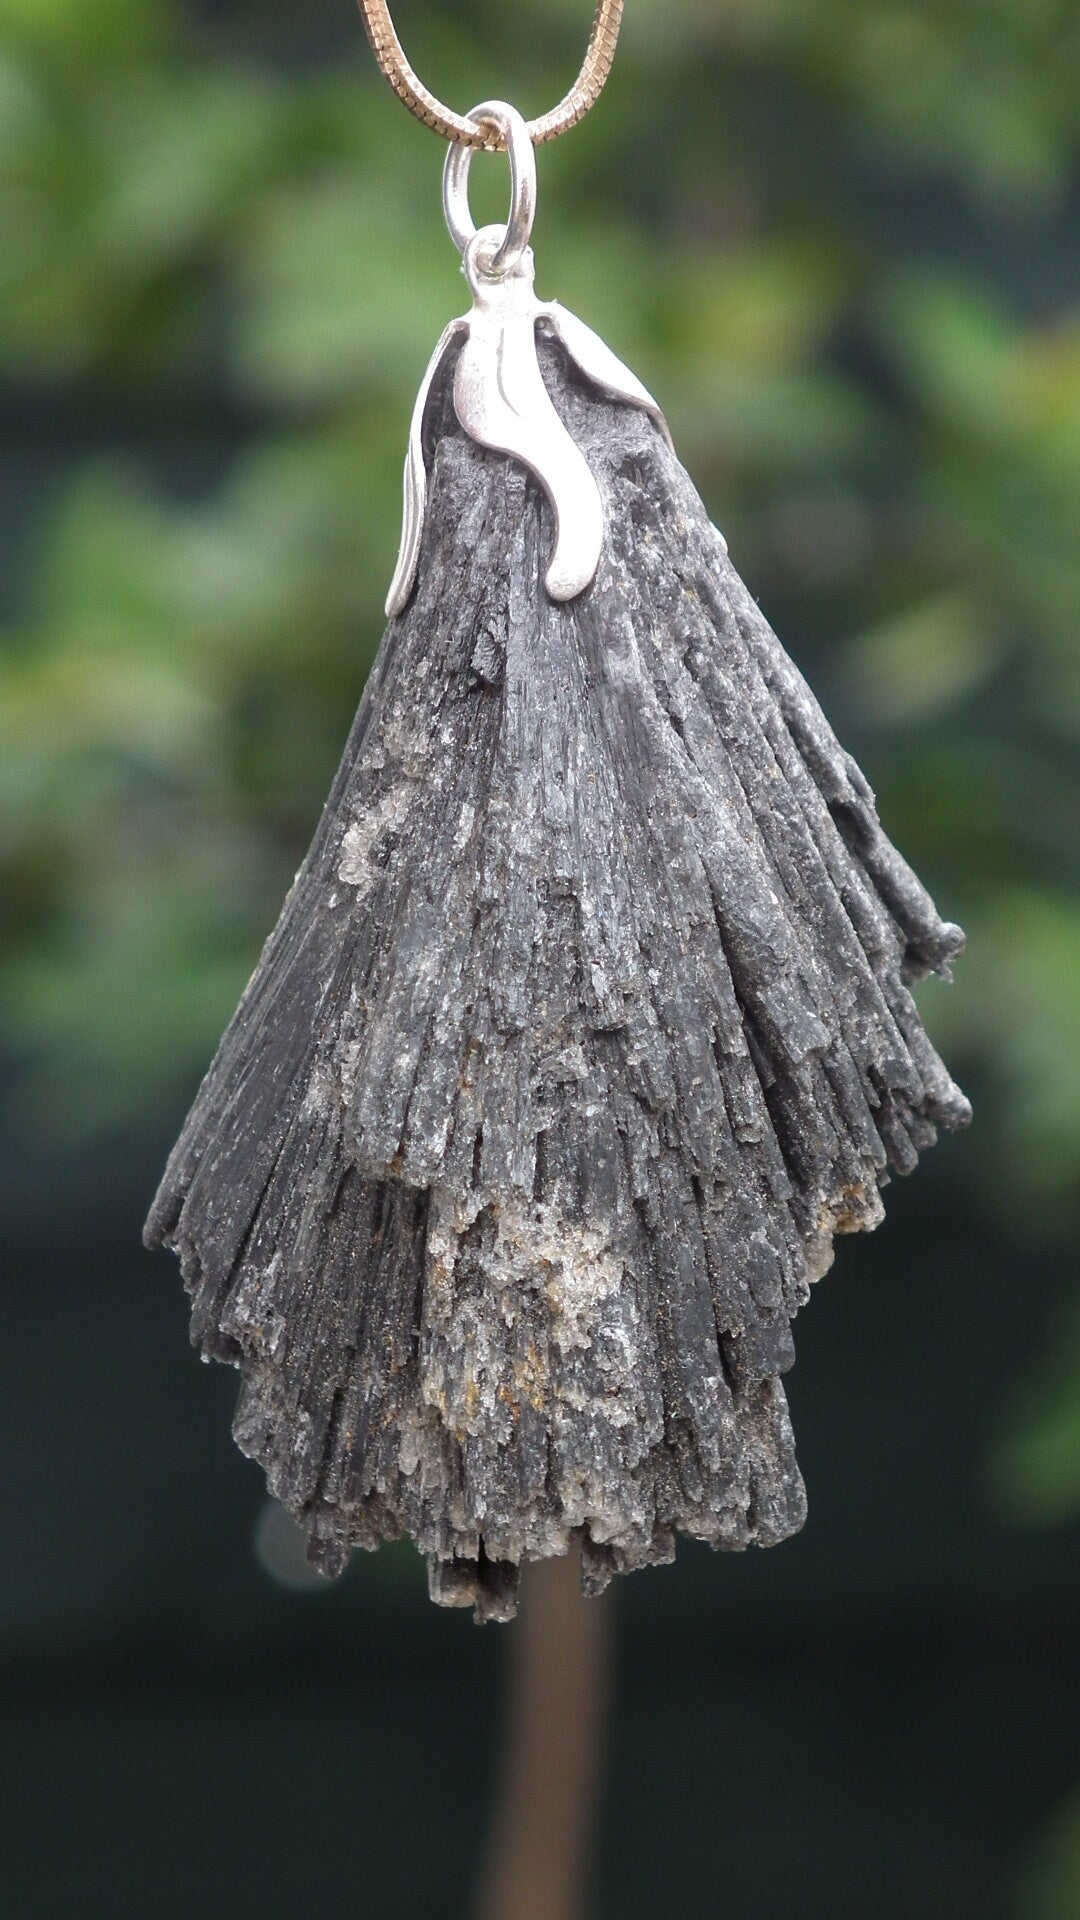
x=519, y=225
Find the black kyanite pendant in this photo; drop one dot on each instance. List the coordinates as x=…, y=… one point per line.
x=584, y=1028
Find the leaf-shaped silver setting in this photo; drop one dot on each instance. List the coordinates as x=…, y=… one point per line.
x=501, y=402
x=594, y=358
x=415, y=480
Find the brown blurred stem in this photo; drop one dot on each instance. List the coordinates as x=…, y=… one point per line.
x=538, y=1858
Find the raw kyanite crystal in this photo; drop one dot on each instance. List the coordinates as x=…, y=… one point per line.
x=584, y=1029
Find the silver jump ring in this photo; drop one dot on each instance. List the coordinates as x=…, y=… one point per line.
x=522, y=187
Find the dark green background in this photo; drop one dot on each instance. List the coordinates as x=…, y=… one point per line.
x=840, y=240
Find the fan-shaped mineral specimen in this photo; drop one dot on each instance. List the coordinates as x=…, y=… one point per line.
x=584, y=1029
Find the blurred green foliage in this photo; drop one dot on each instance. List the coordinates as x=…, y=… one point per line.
x=823, y=231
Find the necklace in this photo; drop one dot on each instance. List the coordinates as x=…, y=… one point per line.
x=586, y=1025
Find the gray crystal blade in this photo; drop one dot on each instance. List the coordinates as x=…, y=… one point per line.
x=584, y=1029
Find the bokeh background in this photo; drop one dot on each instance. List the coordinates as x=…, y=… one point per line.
x=840, y=240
